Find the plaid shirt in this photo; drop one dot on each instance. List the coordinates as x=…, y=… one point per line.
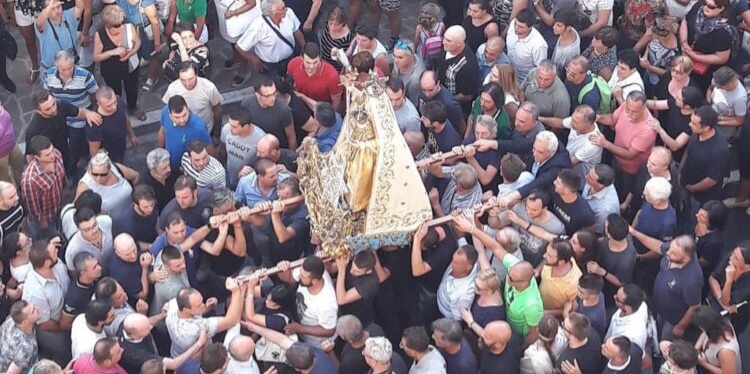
x=42, y=191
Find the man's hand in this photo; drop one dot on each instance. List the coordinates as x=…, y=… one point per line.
x=731, y=272
x=421, y=231
x=307, y=26
x=484, y=145
x=678, y=331
x=341, y=264
x=462, y=224
x=231, y=284
x=284, y=265
x=594, y=268
x=434, y=196
x=277, y=207
x=665, y=346
x=92, y=118
x=466, y=316
x=292, y=328
x=569, y=368
x=203, y=337
x=265, y=206
x=246, y=170
x=598, y=140
x=327, y=345
x=146, y=260
x=141, y=306
x=210, y=304
x=159, y=274
x=134, y=141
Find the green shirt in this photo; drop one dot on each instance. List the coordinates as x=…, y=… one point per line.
x=504, y=127
x=523, y=309
x=190, y=10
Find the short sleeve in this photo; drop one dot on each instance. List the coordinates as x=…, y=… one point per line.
x=94, y=133
x=67, y=109
x=533, y=314
x=275, y=322
x=509, y=261
x=215, y=96
x=250, y=38
x=211, y=325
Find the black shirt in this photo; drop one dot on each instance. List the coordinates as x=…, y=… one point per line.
x=352, y=360
x=507, y=362
x=589, y=356
x=620, y=264
x=112, y=133
x=459, y=74
x=10, y=220
x=575, y=215
x=164, y=192
x=710, y=247
x=438, y=258
x=633, y=367
x=226, y=263
x=462, y=362
x=77, y=298
x=134, y=355
x=707, y=158
x=54, y=128
x=367, y=286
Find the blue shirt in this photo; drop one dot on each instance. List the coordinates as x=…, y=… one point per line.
x=67, y=38
x=76, y=92
x=132, y=12
x=327, y=137
x=191, y=263
x=128, y=274
x=248, y=193
x=486, y=66
x=178, y=137
x=463, y=361
x=677, y=288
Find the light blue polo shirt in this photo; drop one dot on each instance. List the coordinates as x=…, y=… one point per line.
x=67, y=38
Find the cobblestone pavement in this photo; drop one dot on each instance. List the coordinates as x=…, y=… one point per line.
x=21, y=109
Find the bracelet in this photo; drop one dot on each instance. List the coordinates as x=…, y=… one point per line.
x=605, y=273
x=529, y=226
x=471, y=324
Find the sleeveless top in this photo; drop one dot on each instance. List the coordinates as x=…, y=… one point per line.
x=475, y=34
x=112, y=67
x=712, y=352
x=20, y=272
x=327, y=42
x=115, y=198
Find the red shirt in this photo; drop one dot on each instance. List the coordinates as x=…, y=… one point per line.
x=320, y=86
x=86, y=365
x=42, y=190
x=638, y=136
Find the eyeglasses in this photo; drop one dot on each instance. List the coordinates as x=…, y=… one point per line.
x=402, y=44
x=272, y=94
x=711, y=6
x=116, y=26
x=90, y=229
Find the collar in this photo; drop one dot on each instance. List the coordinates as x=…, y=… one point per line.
x=618, y=368
x=129, y=338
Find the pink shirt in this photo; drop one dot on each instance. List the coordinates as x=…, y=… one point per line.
x=7, y=134
x=637, y=136
x=86, y=365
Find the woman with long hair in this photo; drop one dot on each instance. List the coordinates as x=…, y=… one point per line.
x=585, y=247
x=505, y=76
x=718, y=342
x=541, y=356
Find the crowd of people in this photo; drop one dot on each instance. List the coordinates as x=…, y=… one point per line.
x=580, y=149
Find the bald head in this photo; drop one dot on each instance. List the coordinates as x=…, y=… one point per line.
x=497, y=333
x=522, y=272
x=136, y=325
x=268, y=147
x=125, y=247
x=123, y=240
x=241, y=348
x=456, y=33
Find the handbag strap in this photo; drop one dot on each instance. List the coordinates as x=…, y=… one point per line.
x=278, y=33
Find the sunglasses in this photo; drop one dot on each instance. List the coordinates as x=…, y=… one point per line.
x=99, y=174
x=402, y=44
x=711, y=6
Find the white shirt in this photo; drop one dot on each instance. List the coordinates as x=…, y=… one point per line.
x=48, y=295
x=602, y=203
x=592, y=8
x=200, y=100
x=317, y=310
x=82, y=338
x=184, y=332
x=525, y=53
x=238, y=367
x=456, y=293
x=581, y=147
x=632, y=83
x=267, y=45
x=634, y=326
x=78, y=244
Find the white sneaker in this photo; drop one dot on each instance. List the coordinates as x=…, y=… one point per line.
x=732, y=203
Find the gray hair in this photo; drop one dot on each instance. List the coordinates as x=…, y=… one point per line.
x=101, y=158
x=547, y=65
x=465, y=175
x=156, y=156
x=45, y=366
x=381, y=349
x=105, y=92
x=64, y=55
x=79, y=261
x=489, y=123
x=450, y=329
x=349, y=328
x=550, y=138
x=659, y=188
x=637, y=96
x=512, y=238
x=589, y=114
x=581, y=61
x=222, y=197
x=5, y=185
x=266, y=7
x=531, y=108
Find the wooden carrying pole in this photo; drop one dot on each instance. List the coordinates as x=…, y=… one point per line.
x=443, y=157
x=445, y=219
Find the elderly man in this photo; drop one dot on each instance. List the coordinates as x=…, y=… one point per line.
x=600, y=193
x=349, y=328
x=634, y=137
x=545, y=89
x=178, y=128
x=678, y=284
x=160, y=177
x=115, y=127
x=45, y=288
x=42, y=186
x=269, y=112
x=260, y=184
x=456, y=290
x=314, y=79
x=456, y=351
x=407, y=116
x=270, y=148
x=416, y=346
x=11, y=209
x=582, y=124
x=240, y=138
x=462, y=190
x=378, y=353
x=130, y=267
x=305, y=358
x=18, y=346
x=523, y=303
x=408, y=67
x=138, y=345
x=94, y=236
x=490, y=54
x=207, y=171
x=186, y=323
x=456, y=67
x=521, y=138
x=201, y=95
x=578, y=76
x=269, y=42
x=76, y=86
x=526, y=46
x=192, y=202
x=549, y=160
x=431, y=89
x=658, y=164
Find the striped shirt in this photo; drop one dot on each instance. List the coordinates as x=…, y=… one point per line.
x=10, y=220
x=42, y=190
x=212, y=176
x=76, y=92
